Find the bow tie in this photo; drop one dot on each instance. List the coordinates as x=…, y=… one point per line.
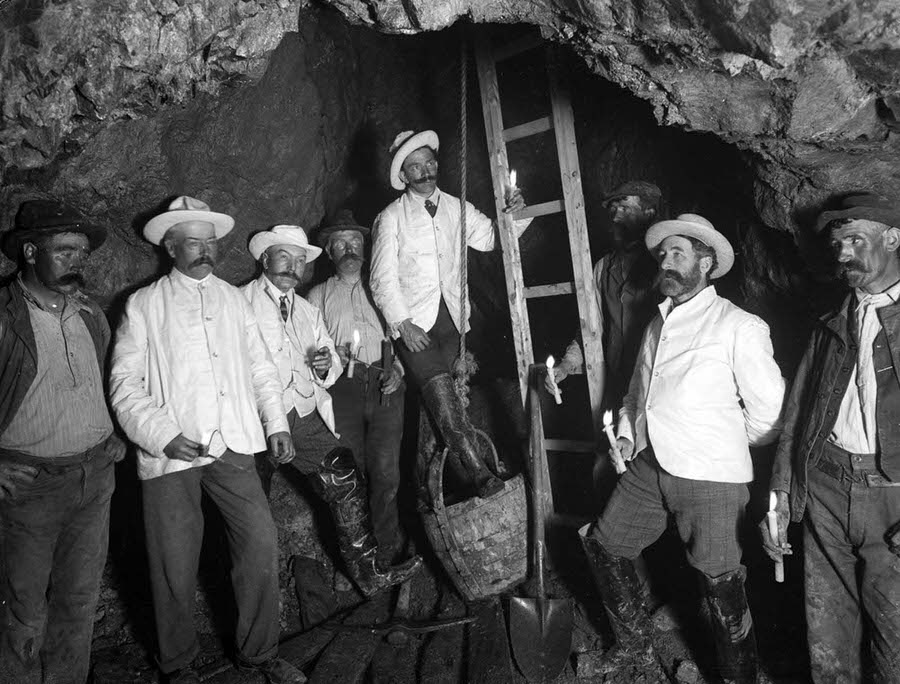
x=430, y=207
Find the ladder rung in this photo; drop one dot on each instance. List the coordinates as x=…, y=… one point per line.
x=517, y=47
x=542, y=209
x=569, y=445
x=531, y=128
x=549, y=290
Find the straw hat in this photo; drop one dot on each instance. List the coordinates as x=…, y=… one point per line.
x=184, y=209
x=405, y=144
x=282, y=235
x=695, y=226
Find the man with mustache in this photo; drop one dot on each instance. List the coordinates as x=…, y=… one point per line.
x=369, y=406
x=837, y=468
x=416, y=282
x=57, y=448
x=705, y=387
x=308, y=365
x=195, y=389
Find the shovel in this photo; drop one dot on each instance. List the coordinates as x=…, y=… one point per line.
x=540, y=628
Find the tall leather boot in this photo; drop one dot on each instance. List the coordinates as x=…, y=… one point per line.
x=732, y=627
x=620, y=590
x=338, y=483
x=458, y=433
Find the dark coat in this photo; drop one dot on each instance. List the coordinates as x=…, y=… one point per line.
x=18, y=350
x=818, y=389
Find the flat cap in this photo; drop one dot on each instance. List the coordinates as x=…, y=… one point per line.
x=867, y=206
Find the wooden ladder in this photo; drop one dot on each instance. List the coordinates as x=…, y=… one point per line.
x=561, y=121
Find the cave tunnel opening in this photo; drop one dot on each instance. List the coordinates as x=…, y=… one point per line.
x=310, y=137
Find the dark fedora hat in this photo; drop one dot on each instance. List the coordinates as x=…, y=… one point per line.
x=867, y=206
x=647, y=191
x=343, y=221
x=39, y=218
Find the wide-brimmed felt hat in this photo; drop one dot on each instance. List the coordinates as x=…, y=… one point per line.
x=343, y=221
x=635, y=188
x=405, y=144
x=867, y=206
x=184, y=209
x=282, y=235
x=695, y=226
x=37, y=218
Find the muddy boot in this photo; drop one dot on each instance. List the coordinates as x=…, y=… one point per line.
x=337, y=482
x=620, y=590
x=458, y=434
x=732, y=627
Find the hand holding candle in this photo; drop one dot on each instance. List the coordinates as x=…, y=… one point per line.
x=618, y=461
x=354, y=350
x=550, y=376
x=772, y=517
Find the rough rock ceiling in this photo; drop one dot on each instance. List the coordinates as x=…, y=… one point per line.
x=811, y=87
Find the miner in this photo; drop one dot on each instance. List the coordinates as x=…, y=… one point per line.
x=416, y=283
x=705, y=387
x=837, y=468
x=368, y=402
x=624, y=292
x=57, y=448
x=304, y=353
x=195, y=389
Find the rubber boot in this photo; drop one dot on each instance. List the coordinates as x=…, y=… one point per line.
x=456, y=429
x=732, y=627
x=619, y=587
x=337, y=482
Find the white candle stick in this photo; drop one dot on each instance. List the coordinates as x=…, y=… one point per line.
x=556, y=393
x=618, y=461
x=206, y=441
x=772, y=518
x=354, y=350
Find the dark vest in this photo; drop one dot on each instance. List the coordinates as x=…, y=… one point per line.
x=629, y=304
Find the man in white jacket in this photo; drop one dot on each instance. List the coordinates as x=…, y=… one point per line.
x=194, y=387
x=304, y=353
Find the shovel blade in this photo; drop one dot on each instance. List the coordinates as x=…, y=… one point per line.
x=541, y=636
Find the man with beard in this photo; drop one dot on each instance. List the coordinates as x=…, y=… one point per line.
x=705, y=387
x=308, y=365
x=416, y=282
x=369, y=406
x=191, y=380
x=57, y=448
x=837, y=468
x=624, y=290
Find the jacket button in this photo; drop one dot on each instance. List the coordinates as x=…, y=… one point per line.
x=829, y=412
x=836, y=391
x=845, y=369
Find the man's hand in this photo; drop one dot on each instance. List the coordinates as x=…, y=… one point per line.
x=391, y=380
x=514, y=201
x=321, y=362
x=414, y=337
x=281, y=447
x=560, y=373
x=775, y=549
x=343, y=353
x=115, y=448
x=13, y=476
x=626, y=448
x=183, y=449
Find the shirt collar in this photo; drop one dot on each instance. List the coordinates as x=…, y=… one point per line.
x=74, y=302
x=418, y=199
x=273, y=290
x=697, y=303
x=186, y=280
x=889, y=296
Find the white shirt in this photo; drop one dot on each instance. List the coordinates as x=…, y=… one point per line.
x=855, y=429
x=292, y=345
x=415, y=258
x=189, y=358
x=699, y=362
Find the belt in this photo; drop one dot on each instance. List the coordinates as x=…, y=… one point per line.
x=845, y=466
x=55, y=465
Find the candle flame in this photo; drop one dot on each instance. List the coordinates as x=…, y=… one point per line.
x=512, y=178
x=773, y=500
x=356, y=338
x=550, y=362
x=607, y=418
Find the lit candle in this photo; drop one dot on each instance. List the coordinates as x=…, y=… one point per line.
x=512, y=179
x=556, y=393
x=354, y=350
x=772, y=518
x=618, y=461
x=205, y=442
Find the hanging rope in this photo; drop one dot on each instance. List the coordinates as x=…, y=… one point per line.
x=465, y=363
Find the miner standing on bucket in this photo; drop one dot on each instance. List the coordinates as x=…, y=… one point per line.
x=368, y=402
x=837, y=467
x=195, y=389
x=416, y=282
x=57, y=448
x=308, y=365
x=705, y=387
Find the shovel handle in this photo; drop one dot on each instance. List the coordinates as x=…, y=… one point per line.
x=537, y=484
